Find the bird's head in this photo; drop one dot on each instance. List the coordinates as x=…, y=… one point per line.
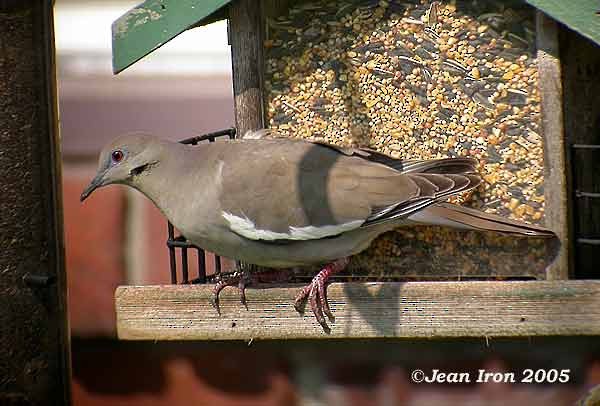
x=125, y=159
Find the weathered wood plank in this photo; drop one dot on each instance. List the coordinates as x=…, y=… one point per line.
x=364, y=310
x=245, y=34
x=556, y=192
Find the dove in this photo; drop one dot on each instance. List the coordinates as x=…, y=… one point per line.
x=282, y=203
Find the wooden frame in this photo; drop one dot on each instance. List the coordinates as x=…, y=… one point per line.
x=555, y=164
x=372, y=310
x=246, y=58
x=364, y=310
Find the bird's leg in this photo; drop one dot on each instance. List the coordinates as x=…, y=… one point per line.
x=316, y=292
x=240, y=276
x=243, y=276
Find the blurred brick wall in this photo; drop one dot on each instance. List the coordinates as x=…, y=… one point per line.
x=304, y=373
x=95, y=239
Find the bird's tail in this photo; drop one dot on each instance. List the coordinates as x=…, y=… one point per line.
x=447, y=214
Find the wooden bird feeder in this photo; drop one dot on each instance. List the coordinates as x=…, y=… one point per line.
x=511, y=85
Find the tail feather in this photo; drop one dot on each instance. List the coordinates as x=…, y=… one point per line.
x=432, y=187
x=462, y=217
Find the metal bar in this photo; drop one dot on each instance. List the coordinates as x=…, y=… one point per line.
x=589, y=241
x=587, y=194
x=201, y=266
x=210, y=136
x=585, y=146
x=171, y=247
x=184, y=266
x=180, y=244
x=217, y=264
x=39, y=280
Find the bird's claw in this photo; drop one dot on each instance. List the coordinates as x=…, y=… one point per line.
x=238, y=277
x=242, y=287
x=245, y=275
x=316, y=293
x=215, y=297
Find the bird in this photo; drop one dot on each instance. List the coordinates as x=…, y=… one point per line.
x=283, y=202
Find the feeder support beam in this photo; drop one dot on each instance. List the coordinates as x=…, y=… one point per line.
x=246, y=56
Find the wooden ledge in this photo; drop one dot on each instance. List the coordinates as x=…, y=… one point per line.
x=364, y=310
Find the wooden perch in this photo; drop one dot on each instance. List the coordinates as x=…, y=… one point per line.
x=364, y=310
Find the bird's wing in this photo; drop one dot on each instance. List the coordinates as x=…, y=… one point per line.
x=278, y=190
x=444, y=165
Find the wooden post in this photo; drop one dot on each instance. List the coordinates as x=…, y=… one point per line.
x=245, y=35
x=555, y=165
x=34, y=339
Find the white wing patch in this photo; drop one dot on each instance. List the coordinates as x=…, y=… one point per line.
x=246, y=228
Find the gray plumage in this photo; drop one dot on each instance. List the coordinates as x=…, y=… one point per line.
x=281, y=203
x=278, y=202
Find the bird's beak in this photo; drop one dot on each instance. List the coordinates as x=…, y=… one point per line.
x=94, y=184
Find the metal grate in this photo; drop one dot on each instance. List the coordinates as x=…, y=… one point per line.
x=580, y=194
x=180, y=242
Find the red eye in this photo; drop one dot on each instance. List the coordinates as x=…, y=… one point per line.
x=117, y=156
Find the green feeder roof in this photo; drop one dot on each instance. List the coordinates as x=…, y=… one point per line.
x=155, y=22
x=579, y=15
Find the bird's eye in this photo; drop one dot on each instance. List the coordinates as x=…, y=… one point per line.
x=117, y=156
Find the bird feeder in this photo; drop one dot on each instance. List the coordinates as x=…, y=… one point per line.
x=414, y=80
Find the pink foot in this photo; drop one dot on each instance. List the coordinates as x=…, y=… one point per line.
x=316, y=292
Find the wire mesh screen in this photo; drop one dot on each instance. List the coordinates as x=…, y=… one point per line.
x=584, y=197
x=180, y=242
